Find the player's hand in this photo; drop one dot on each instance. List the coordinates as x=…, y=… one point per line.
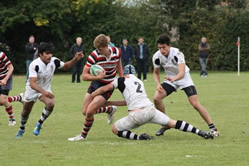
x=79, y=55
x=101, y=74
x=48, y=94
x=169, y=79
x=3, y=82
x=160, y=88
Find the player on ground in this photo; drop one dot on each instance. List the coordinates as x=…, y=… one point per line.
x=109, y=59
x=38, y=86
x=141, y=109
x=177, y=76
x=6, y=70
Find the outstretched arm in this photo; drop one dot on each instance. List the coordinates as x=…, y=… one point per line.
x=117, y=103
x=68, y=65
x=102, y=90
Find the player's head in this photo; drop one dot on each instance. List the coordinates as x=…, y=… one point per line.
x=101, y=44
x=129, y=69
x=163, y=44
x=45, y=51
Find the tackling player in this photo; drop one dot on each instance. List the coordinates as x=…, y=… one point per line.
x=41, y=72
x=109, y=59
x=140, y=109
x=177, y=76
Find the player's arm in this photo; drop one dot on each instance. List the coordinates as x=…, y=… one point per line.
x=68, y=65
x=86, y=76
x=103, y=89
x=156, y=75
x=6, y=78
x=120, y=69
x=117, y=103
x=36, y=87
x=180, y=74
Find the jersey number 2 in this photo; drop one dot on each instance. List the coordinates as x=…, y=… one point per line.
x=138, y=87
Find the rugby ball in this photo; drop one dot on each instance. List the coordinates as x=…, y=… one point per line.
x=95, y=70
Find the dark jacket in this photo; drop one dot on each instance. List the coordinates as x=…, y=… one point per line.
x=146, y=52
x=204, y=50
x=74, y=49
x=30, y=51
x=127, y=53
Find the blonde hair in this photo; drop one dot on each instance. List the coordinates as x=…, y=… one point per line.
x=100, y=41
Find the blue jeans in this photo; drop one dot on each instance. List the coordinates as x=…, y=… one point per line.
x=203, y=62
x=27, y=68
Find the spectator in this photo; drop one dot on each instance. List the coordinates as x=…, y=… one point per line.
x=203, y=56
x=76, y=48
x=30, y=49
x=127, y=53
x=109, y=41
x=142, y=54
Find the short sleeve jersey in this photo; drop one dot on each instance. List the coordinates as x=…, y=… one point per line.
x=4, y=63
x=44, y=73
x=133, y=92
x=109, y=64
x=170, y=63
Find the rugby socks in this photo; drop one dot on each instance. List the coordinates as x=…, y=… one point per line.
x=45, y=115
x=107, y=110
x=211, y=126
x=14, y=98
x=184, y=126
x=128, y=135
x=23, y=122
x=87, y=126
x=9, y=110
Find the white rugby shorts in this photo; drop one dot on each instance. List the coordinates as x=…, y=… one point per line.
x=139, y=117
x=32, y=95
x=186, y=81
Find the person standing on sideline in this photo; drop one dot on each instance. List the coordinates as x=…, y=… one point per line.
x=76, y=48
x=109, y=42
x=142, y=55
x=38, y=86
x=140, y=109
x=177, y=76
x=127, y=53
x=203, y=56
x=30, y=49
x=109, y=58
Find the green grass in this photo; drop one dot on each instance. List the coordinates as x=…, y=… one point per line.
x=224, y=94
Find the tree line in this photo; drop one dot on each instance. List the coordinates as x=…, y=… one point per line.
x=61, y=21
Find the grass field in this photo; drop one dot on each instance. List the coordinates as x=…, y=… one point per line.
x=224, y=94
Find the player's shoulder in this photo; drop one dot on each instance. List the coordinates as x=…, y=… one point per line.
x=157, y=54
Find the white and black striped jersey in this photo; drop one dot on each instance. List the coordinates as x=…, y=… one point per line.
x=133, y=92
x=170, y=63
x=109, y=64
x=44, y=73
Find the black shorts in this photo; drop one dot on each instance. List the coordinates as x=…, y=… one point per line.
x=6, y=88
x=189, y=91
x=95, y=85
x=168, y=88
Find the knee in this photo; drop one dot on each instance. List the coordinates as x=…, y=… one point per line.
x=157, y=100
x=114, y=130
x=50, y=105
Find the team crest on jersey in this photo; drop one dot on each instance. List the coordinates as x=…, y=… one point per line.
x=173, y=61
